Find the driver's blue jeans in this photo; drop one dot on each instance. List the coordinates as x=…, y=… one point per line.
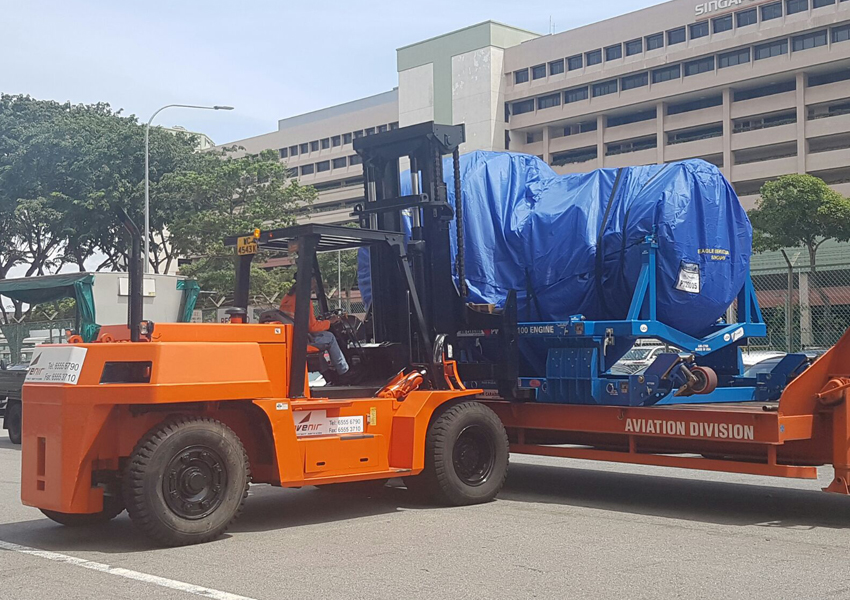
x=325, y=340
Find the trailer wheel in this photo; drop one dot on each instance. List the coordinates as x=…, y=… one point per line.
x=13, y=421
x=466, y=457
x=112, y=507
x=186, y=481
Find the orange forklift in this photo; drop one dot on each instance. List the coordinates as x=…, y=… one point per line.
x=173, y=421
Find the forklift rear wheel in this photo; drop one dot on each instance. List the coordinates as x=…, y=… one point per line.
x=466, y=457
x=186, y=481
x=13, y=421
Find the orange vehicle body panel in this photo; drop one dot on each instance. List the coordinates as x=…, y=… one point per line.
x=237, y=374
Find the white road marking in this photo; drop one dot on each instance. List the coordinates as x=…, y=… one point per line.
x=120, y=572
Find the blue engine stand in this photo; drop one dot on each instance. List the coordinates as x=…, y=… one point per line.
x=578, y=365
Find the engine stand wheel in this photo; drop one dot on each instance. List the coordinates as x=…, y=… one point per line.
x=186, y=481
x=466, y=457
x=706, y=380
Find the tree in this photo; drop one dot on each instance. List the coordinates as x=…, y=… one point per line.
x=801, y=210
x=65, y=169
x=225, y=196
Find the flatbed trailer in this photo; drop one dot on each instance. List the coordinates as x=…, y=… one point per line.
x=808, y=427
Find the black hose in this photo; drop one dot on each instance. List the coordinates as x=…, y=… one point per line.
x=459, y=259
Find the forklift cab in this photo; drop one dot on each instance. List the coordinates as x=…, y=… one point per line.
x=374, y=361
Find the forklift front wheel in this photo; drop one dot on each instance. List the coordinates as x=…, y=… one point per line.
x=186, y=481
x=112, y=507
x=466, y=457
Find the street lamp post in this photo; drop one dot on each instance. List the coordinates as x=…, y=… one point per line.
x=147, y=171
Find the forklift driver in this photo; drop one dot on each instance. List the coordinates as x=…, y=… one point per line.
x=320, y=336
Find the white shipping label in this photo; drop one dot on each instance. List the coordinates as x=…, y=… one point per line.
x=688, y=280
x=317, y=422
x=56, y=364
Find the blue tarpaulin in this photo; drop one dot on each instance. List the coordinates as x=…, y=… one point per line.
x=570, y=244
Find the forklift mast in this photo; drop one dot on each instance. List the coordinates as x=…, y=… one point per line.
x=425, y=216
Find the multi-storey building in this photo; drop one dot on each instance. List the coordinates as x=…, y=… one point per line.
x=760, y=88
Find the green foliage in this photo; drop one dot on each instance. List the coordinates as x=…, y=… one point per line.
x=65, y=169
x=799, y=210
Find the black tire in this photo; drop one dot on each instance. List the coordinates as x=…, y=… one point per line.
x=186, y=481
x=466, y=457
x=14, y=411
x=112, y=507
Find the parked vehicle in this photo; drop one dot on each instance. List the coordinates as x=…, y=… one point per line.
x=11, y=381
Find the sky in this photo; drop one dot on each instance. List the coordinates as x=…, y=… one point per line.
x=269, y=60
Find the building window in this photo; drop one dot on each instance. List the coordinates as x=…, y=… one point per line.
x=827, y=78
x=532, y=137
x=676, y=36
x=293, y=151
x=721, y=24
x=292, y=172
x=646, y=115
x=634, y=81
x=605, y=88
x=736, y=57
x=574, y=156
x=314, y=146
x=594, y=57
x=339, y=163
x=336, y=141
x=284, y=152
x=771, y=49
x=840, y=34
x=304, y=148
x=370, y=131
x=574, y=62
x=354, y=159
x=747, y=17
x=323, y=166
x=653, y=42
x=796, y=6
x=634, y=47
x=808, y=41
x=521, y=76
x=575, y=95
x=346, y=138
x=822, y=3
x=548, y=101
x=699, y=30
x=556, y=67
x=666, y=74
x=765, y=90
x=382, y=128
x=703, y=65
x=525, y=106
x=393, y=125
x=358, y=134
x=538, y=72
x=771, y=11
x=326, y=143
x=684, y=107
x=307, y=170
x=613, y=52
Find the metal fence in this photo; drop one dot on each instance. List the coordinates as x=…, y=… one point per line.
x=803, y=308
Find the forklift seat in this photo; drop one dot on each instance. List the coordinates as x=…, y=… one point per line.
x=278, y=316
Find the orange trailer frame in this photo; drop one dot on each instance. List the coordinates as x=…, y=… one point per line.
x=808, y=427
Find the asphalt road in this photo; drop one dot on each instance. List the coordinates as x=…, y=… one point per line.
x=560, y=529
